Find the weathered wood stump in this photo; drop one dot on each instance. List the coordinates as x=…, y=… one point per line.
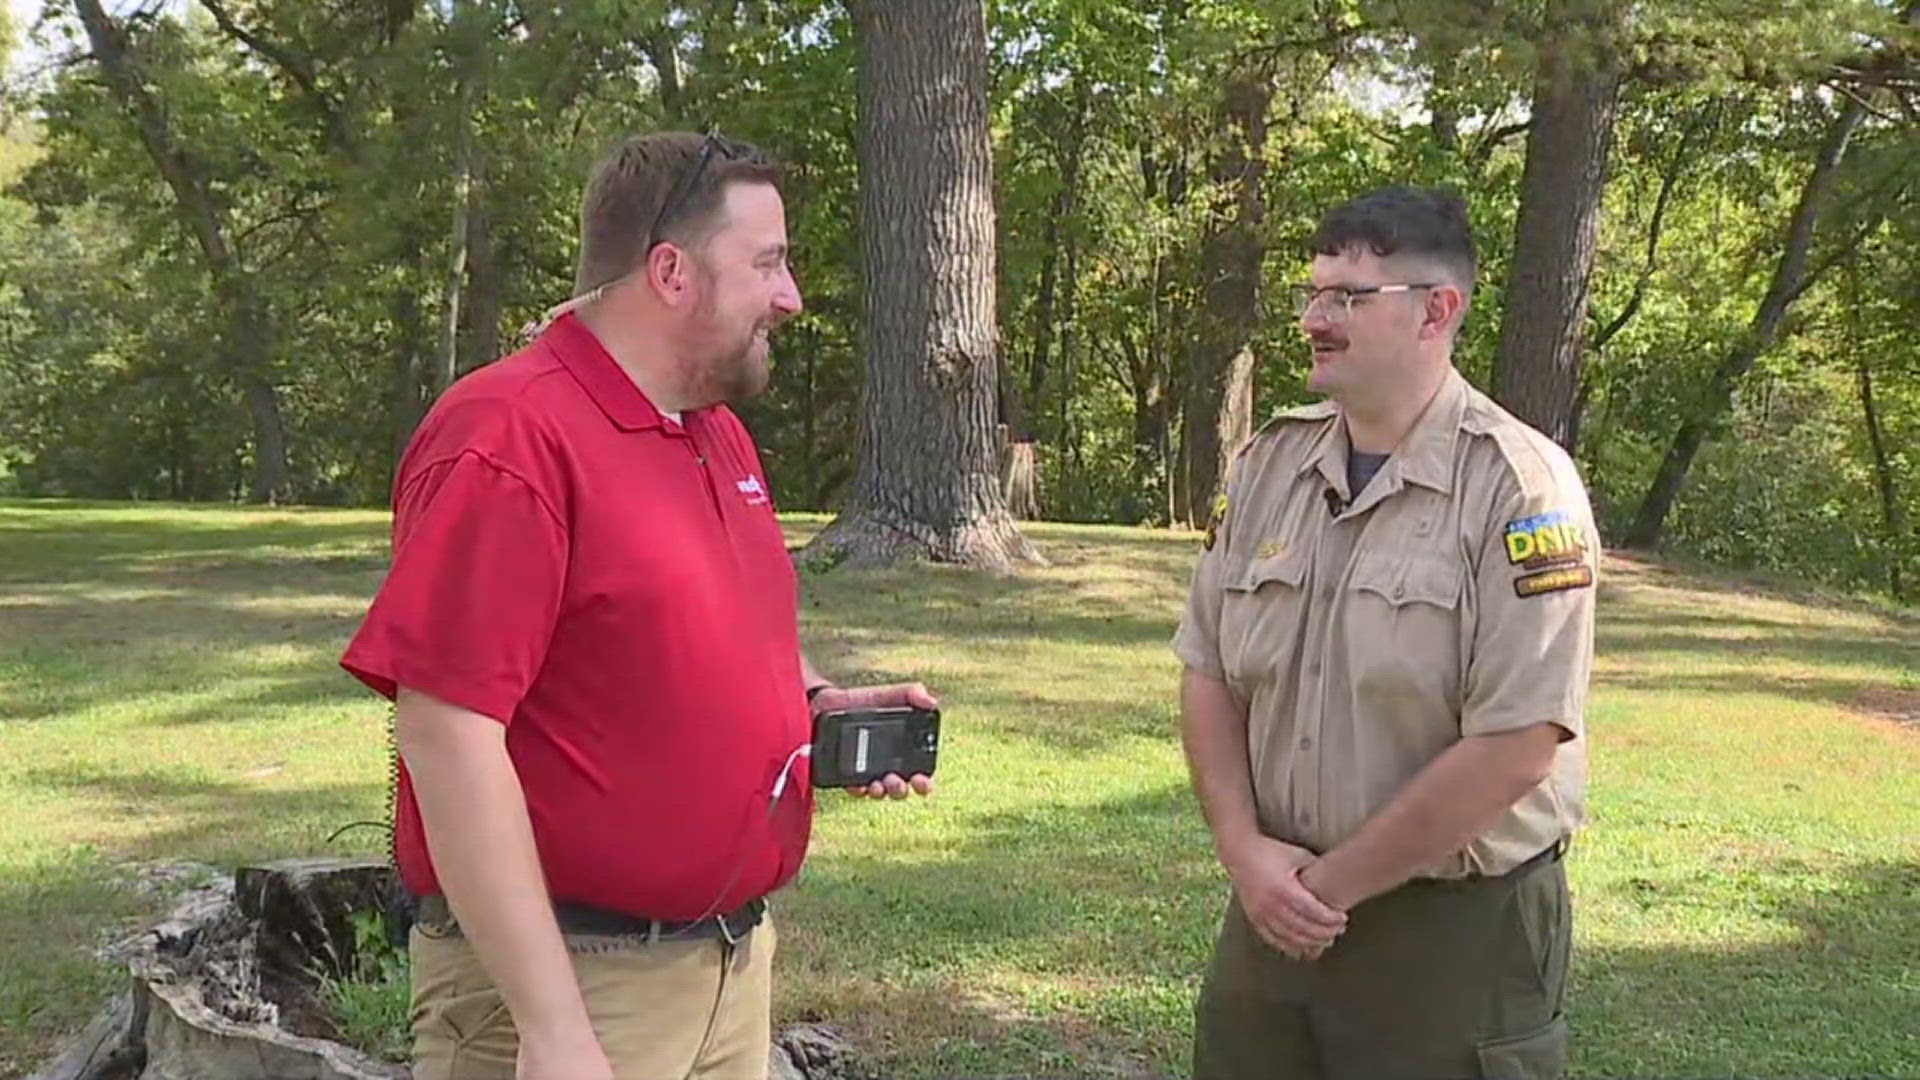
x=221, y=989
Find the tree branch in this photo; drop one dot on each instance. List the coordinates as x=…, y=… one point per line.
x=1487, y=144
x=1843, y=250
x=1669, y=179
x=297, y=68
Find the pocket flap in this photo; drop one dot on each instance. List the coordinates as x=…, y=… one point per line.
x=1540, y=1054
x=1409, y=579
x=1287, y=568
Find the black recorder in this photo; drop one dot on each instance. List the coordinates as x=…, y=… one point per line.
x=855, y=747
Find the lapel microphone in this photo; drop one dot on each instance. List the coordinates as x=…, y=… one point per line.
x=1335, y=503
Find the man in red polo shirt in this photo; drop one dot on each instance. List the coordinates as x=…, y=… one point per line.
x=589, y=628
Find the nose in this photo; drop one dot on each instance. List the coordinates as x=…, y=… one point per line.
x=786, y=296
x=1315, y=320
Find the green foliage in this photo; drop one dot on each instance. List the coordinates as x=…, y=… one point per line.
x=329, y=141
x=371, y=1006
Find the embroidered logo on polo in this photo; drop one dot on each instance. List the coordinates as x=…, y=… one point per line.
x=752, y=490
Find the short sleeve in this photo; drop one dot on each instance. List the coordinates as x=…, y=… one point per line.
x=470, y=601
x=1535, y=585
x=1197, y=641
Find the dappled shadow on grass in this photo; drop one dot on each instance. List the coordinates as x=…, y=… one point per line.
x=1836, y=1000
x=51, y=917
x=213, y=819
x=1850, y=694
x=1623, y=637
x=56, y=912
x=1078, y=934
x=234, y=614
x=1101, y=911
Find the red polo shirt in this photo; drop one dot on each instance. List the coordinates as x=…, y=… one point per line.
x=613, y=586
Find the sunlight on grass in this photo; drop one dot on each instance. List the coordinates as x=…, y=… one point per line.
x=1746, y=891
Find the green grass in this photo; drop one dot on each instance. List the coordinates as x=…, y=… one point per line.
x=1748, y=893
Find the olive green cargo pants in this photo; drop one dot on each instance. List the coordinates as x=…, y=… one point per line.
x=1434, y=980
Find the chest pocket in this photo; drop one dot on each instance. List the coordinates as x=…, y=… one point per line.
x=1416, y=578
x=1263, y=616
x=1403, y=627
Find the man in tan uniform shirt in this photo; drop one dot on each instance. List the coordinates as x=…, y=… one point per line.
x=1387, y=646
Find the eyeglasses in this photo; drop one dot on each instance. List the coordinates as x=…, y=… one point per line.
x=1335, y=302
x=714, y=143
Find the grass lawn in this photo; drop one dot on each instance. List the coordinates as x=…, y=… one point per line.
x=1748, y=893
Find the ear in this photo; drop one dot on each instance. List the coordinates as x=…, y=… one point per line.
x=666, y=273
x=1445, y=306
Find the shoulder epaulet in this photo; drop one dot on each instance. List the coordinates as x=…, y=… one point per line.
x=1538, y=464
x=1298, y=414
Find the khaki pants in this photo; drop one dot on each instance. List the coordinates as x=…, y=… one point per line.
x=672, y=1010
x=1434, y=980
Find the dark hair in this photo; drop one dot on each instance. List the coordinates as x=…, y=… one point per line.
x=662, y=186
x=1428, y=223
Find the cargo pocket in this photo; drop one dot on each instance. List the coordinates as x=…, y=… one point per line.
x=1540, y=1054
x=468, y=1035
x=1263, y=609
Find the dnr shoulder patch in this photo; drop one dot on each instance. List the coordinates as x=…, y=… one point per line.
x=1554, y=538
x=1555, y=580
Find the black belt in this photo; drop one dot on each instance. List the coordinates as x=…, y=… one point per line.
x=588, y=921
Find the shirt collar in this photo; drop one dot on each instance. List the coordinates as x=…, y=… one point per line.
x=1424, y=456
x=600, y=375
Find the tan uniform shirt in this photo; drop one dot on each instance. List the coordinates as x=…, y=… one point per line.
x=1453, y=596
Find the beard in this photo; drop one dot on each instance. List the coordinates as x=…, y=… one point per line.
x=733, y=367
x=740, y=372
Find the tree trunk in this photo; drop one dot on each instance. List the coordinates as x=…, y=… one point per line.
x=447, y=365
x=1575, y=98
x=662, y=47
x=247, y=348
x=1043, y=320
x=1791, y=277
x=1220, y=362
x=1883, y=476
x=1019, y=450
x=483, y=276
x=408, y=403
x=1150, y=414
x=926, y=485
x=272, y=481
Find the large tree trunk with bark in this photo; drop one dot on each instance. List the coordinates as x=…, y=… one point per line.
x=1791, y=277
x=1219, y=414
x=1883, y=477
x=247, y=345
x=483, y=275
x=1575, y=97
x=926, y=485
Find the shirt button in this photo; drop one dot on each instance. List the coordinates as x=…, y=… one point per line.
x=1306, y=742
x=1313, y=669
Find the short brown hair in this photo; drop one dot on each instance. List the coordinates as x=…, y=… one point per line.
x=630, y=188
